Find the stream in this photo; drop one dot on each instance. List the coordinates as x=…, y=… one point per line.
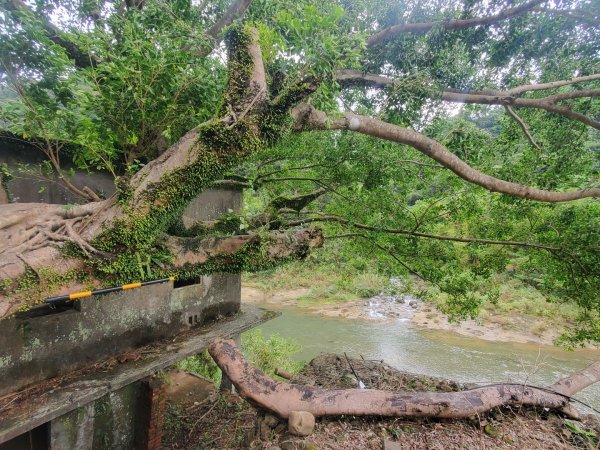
x=431, y=352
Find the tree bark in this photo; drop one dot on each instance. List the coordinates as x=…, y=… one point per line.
x=282, y=398
x=277, y=245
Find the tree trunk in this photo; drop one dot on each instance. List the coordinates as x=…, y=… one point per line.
x=281, y=398
x=109, y=240
x=130, y=226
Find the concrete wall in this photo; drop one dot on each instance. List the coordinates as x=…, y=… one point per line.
x=45, y=342
x=108, y=423
x=42, y=343
x=212, y=204
x=26, y=188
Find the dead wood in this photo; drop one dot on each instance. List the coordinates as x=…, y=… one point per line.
x=282, y=398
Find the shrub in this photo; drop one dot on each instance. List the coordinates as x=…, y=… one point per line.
x=267, y=354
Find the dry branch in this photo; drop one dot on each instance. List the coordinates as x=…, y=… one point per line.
x=281, y=398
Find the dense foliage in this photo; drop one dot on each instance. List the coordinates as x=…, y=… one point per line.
x=113, y=84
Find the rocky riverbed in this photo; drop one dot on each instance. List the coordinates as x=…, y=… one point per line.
x=398, y=306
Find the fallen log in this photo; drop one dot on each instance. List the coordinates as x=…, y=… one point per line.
x=282, y=398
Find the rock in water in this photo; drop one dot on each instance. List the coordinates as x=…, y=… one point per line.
x=301, y=423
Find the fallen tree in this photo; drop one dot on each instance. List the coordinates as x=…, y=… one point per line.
x=282, y=398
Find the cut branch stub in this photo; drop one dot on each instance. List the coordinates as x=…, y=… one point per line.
x=282, y=398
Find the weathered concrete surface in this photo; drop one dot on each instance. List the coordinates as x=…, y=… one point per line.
x=52, y=403
x=27, y=188
x=34, y=348
x=74, y=430
x=212, y=204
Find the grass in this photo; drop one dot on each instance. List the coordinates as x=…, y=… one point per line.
x=330, y=281
x=516, y=297
x=519, y=300
x=327, y=283
x=265, y=353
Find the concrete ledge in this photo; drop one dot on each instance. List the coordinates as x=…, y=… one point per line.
x=46, y=402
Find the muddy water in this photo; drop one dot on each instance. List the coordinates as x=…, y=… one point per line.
x=431, y=352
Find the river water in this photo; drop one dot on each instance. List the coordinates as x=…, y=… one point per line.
x=431, y=352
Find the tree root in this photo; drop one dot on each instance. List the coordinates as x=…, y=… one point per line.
x=282, y=398
x=29, y=228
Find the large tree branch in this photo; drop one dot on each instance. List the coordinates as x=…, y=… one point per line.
x=586, y=17
x=552, y=84
x=351, y=76
x=226, y=252
x=236, y=10
x=453, y=24
x=55, y=34
x=205, y=152
x=282, y=398
x=494, y=97
x=306, y=117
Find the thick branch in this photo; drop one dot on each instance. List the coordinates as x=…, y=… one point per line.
x=223, y=250
x=307, y=117
x=494, y=97
x=350, y=76
x=282, y=398
x=578, y=381
x=552, y=84
x=456, y=24
x=581, y=16
x=203, y=154
x=235, y=11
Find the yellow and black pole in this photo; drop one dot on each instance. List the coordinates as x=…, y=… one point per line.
x=83, y=294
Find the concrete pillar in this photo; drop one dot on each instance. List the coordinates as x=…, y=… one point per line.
x=74, y=430
x=151, y=415
x=226, y=383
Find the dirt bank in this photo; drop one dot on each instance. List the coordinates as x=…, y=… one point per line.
x=494, y=327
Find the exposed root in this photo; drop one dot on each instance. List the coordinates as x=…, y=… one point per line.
x=29, y=228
